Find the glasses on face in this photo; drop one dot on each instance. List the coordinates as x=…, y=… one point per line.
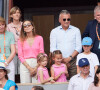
x=66, y=19
x=27, y=25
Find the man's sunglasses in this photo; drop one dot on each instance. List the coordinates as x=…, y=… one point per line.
x=66, y=19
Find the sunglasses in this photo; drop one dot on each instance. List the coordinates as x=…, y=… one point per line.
x=66, y=19
x=27, y=25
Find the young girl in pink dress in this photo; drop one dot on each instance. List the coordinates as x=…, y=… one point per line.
x=42, y=71
x=58, y=69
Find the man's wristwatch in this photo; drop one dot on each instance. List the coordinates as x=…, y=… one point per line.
x=71, y=57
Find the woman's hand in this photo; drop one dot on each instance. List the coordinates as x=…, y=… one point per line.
x=32, y=71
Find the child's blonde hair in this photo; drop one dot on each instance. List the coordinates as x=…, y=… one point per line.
x=41, y=56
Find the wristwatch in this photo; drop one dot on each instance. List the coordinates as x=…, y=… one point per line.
x=71, y=57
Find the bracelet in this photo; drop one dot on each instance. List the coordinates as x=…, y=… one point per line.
x=6, y=63
x=71, y=57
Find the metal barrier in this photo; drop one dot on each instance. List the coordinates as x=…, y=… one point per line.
x=48, y=86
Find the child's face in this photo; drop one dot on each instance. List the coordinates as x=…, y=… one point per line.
x=44, y=62
x=58, y=59
x=87, y=48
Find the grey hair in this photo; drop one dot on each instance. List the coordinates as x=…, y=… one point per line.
x=97, y=8
x=64, y=12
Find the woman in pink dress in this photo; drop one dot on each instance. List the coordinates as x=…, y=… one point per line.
x=58, y=69
x=29, y=46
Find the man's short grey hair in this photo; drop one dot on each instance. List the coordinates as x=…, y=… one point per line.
x=64, y=12
x=97, y=8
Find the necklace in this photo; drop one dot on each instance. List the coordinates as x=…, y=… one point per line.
x=17, y=31
x=98, y=35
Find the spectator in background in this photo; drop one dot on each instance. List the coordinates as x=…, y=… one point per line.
x=5, y=83
x=93, y=30
x=37, y=88
x=67, y=39
x=29, y=46
x=96, y=84
x=15, y=27
x=82, y=80
x=7, y=48
x=92, y=57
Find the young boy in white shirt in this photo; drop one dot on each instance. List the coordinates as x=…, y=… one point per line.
x=92, y=57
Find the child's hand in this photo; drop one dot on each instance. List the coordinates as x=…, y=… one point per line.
x=66, y=72
x=52, y=81
x=51, y=78
x=61, y=73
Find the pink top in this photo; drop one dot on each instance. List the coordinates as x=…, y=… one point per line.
x=45, y=73
x=25, y=51
x=13, y=28
x=58, y=70
x=92, y=87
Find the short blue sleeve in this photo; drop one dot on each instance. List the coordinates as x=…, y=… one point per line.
x=9, y=84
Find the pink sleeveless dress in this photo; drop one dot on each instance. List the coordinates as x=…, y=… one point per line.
x=45, y=73
x=58, y=70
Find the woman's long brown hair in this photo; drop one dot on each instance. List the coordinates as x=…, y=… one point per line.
x=23, y=34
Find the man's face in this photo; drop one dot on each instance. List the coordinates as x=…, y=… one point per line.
x=97, y=16
x=64, y=20
x=87, y=48
x=85, y=69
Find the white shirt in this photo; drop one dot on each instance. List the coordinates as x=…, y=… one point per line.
x=79, y=83
x=66, y=41
x=92, y=58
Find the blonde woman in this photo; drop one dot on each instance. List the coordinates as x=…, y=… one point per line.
x=15, y=27
x=7, y=48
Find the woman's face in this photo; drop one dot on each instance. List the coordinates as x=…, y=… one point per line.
x=27, y=26
x=2, y=74
x=2, y=27
x=16, y=15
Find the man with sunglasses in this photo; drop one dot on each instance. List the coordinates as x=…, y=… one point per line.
x=67, y=39
x=82, y=80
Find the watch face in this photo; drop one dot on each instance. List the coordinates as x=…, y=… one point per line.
x=71, y=57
